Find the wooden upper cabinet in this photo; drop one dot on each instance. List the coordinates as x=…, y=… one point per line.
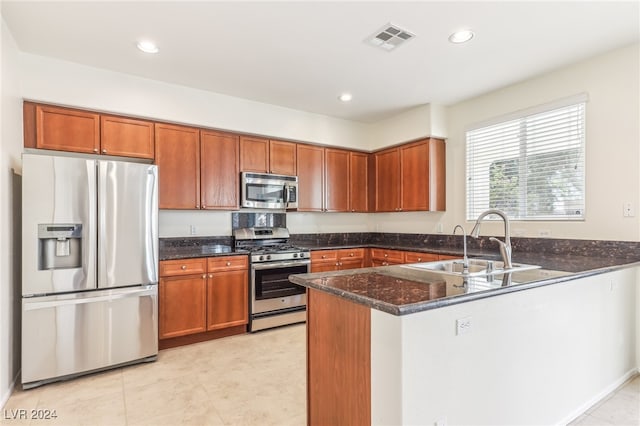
x=254, y=154
x=219, y=161
x=178, y=160
x=411, y=177
x=387, y=174
x=126, y=137
x=336, y=180
x=358, y=186
x=310, y=161
x=282, y=158
x=414, y=177
x=267, y=156
x=65, y=129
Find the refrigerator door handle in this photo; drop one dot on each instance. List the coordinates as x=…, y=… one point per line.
x=62, y=300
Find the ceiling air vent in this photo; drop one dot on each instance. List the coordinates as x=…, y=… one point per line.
x=389, y=37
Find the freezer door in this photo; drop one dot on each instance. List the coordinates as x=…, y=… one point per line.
x=58, y=224
x=128, y=224
x=76, y=333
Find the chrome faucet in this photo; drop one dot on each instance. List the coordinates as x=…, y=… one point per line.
x=505, y=247
x=465, y=260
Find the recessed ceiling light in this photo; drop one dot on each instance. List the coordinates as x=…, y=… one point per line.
x=345, y=97
x=147, y=46
x=461, y=36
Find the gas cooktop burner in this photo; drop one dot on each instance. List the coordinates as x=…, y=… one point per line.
x=280, y=248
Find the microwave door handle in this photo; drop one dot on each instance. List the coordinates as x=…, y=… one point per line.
x=286, y=194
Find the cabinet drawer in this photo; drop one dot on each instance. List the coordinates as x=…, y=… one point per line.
x=226, y=263
x=183, y=267
x=394, y=256
x=415, y=257
x=320, y=255
x=351, y=254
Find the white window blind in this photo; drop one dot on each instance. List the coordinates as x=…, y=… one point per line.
x=532, y=167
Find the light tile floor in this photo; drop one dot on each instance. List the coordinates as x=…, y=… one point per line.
x=620, y=408
x=253, y=379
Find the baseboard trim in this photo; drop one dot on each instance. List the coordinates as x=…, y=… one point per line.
x=7, y=394
x=599, y=397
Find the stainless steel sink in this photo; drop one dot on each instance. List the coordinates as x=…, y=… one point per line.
x=477, y=267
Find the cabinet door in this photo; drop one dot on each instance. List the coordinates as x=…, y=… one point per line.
x=178, y=160
x=310, y=177
x=282, y=157
x=219, y=186
x=66, y=129
x=182, y=305
x=358, y=187
x=254, y=154
x=387, y=165
x=336, y=180
x=351, y=264
x=326, y=266
x=414, y=177
x=227, y=299
x=126, y=137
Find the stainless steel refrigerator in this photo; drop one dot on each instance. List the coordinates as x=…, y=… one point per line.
x=89, y=265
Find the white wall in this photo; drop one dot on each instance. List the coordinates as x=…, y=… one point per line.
x=539, y=356
x=10, y=150
x=65, y=83
x=612, y=148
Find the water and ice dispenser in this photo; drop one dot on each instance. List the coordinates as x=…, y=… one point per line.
x=59, y=246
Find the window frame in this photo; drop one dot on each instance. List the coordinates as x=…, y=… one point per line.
x=521, y=116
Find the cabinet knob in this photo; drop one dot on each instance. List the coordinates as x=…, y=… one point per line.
x=337, y=263
x=95, y=149
x=197, y=206
x=419, y=259
x=204, y=206
x=183, y=267
x=340, y=263
x=386, y=255
x=351, y=254
x=204, y=276
x=104, y=151
x=385, y=263
x=228, y=263
x=353, y=210
x=324, y=256
x=210, y=275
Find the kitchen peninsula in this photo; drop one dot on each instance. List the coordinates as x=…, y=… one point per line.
x=409, y=346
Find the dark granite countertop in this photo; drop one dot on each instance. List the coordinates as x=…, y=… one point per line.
x=406, y=289
x=185, y=248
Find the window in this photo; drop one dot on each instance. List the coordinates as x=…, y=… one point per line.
x=530, y=166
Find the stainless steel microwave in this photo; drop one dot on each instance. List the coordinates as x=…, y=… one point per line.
x=269, y=191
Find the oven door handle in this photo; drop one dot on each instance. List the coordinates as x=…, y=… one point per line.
x=274, y=265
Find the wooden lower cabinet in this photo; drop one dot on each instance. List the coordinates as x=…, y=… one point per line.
x=204, y=305
x=182, y=305
x=227, y=292
x=418, y=257
x=385, y=257
x=338, y=361
x=337, y=260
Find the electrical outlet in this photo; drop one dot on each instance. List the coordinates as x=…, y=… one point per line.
x=463, y=325
x=627, y=210
x=440, y=228
x=192, y=229
x=544, y=232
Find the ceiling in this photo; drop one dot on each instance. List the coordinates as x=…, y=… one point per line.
x=303, y=54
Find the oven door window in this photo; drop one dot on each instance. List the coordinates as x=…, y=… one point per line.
x=264, y=192
x=274, y=283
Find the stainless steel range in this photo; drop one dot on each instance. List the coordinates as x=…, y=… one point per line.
x=274, y=300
